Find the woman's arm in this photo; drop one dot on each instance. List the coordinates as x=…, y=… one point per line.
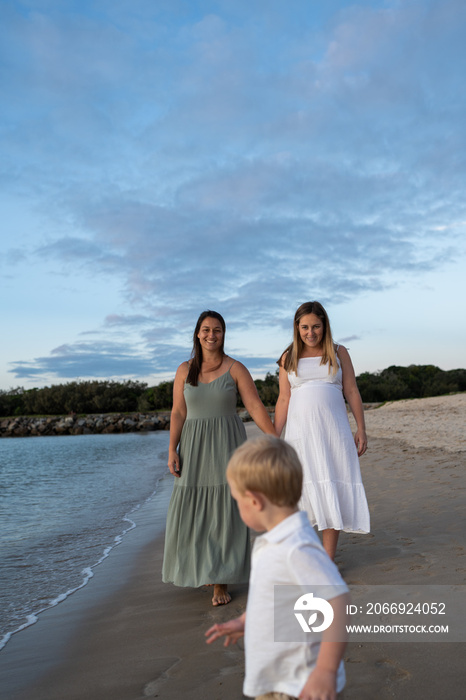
x=352, y=395
x=281, y=408
x=252, y=403
x=177, y=419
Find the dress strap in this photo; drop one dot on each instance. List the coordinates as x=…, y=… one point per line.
x=229, y=368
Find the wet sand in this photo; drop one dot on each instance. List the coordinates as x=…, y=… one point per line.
x=128, y=636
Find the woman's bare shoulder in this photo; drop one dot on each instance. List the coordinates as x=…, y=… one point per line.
x=340, y=348
x=182, y=371
x=236, y=367
x=282, y=359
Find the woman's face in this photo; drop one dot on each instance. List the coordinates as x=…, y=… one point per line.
x=311, y=331
x=211, y=334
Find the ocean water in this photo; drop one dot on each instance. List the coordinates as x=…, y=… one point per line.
x=65, y=503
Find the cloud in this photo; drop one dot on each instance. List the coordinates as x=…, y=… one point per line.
x=115, y=320
x=108, y=360
x=239, y=159
x=101, y=359
x=350, y=338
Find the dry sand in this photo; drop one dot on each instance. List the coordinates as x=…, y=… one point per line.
x=437, y=421
x=127, y=636
x=415, y=478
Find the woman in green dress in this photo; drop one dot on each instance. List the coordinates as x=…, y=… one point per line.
x=206, y=542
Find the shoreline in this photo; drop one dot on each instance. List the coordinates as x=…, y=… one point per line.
x=89, y=571
x=128, y=636
x=25, y=657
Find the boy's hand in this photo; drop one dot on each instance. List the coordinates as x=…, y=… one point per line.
x=232, y=630
x=321, y=685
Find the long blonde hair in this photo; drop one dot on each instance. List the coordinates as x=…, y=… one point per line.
x=289, y=359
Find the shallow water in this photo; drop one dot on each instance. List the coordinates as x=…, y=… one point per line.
x=65, y=502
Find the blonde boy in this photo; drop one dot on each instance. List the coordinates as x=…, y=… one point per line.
x=265, y=479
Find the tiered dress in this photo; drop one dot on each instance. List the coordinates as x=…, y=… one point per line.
x=206, y=541
x=318, y=428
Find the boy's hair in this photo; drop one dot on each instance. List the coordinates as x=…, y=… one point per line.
x=270, y=466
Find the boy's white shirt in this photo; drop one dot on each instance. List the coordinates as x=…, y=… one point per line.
x=288, y=554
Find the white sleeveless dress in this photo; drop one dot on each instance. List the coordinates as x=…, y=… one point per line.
x=318, y=428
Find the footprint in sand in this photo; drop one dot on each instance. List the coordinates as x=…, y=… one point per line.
x=231, y=611
x=237, y=659
x=405, y=541
x=399, y=673
x=165, y=666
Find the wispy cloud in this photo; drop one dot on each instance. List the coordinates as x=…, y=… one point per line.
x=98, y=359
x=206, y=157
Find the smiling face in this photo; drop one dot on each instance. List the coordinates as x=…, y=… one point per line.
x=211, y=335
x=311, y=331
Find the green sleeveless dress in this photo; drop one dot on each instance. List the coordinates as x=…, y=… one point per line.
x=205, y=539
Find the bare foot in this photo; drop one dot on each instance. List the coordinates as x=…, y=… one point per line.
x=221, y=595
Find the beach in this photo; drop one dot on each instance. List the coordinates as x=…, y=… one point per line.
x=128, y=636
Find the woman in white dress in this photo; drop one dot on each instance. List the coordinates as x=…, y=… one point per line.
x=316, y=376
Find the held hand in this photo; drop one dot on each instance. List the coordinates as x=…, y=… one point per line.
x=174, y=463
x=360, y=440
x=321, y=685
x=231, y=630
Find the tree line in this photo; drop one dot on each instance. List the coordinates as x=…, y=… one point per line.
x=413, y=382
x=88, y=397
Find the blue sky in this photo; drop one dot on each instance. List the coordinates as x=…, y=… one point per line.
x=163, y=157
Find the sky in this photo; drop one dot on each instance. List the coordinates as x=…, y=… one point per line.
x=163, y=157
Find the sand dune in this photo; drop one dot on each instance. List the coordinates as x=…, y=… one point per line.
x=438, y=421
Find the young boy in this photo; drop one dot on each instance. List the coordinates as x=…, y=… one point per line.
x=265, y=478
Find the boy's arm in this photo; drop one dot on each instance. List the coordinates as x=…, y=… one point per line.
x=322, y=682
x=232, y=630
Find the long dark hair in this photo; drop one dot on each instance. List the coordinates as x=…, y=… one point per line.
x=195, y=363
x=294, y=351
